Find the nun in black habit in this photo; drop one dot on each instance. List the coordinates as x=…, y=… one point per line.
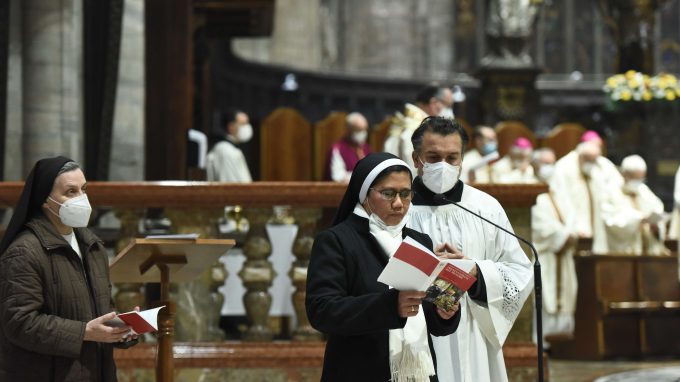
x=374, y=333
x=55, y=294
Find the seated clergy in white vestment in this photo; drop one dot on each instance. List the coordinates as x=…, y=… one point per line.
x=555, y=242
x=608, y=171
x=476, y=167
x=635, y=217
x=582, y=181
x=515, y=167
x=543, y=162
x=504, y=273
x=347, y=151
x=398, y=142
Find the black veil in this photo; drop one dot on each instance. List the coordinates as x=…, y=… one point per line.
x=361, y=172
x=37, y=187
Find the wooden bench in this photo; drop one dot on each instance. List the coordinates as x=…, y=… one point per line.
x=627, y=306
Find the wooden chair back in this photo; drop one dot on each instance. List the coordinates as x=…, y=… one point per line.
x=286, y=146
x=508, y=131
x=378, y=134
x=563, y=138
x=326, y=132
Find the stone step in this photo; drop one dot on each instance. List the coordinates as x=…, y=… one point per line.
x=282, y=358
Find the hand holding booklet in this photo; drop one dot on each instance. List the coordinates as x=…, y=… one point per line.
x=415, y=267
x=140, y=322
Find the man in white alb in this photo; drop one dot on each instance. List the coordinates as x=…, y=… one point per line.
x=504, y=275
x=635, y=217
x=555, y=243
x=582, y=182
x=398, y=141
x=226, y=162
x=477, y=165
x=515, y=167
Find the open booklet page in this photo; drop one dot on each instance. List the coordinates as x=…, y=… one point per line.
x=141, y=322
x=415, y=267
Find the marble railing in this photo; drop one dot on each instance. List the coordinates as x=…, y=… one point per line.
x=195, y=207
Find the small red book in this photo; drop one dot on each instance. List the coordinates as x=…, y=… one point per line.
x=414, y=267
x=142, y=322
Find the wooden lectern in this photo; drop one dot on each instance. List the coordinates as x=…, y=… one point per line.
x=160, y=260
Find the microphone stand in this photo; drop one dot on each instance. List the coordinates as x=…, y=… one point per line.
x=538, y=284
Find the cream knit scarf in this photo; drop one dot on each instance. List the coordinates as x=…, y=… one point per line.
x=410, y=358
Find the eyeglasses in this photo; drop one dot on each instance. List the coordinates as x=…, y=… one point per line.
x=390, y=194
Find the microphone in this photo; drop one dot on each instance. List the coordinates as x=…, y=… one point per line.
x=440, y=199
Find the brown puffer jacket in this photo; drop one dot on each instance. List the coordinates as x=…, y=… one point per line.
x=47, y=295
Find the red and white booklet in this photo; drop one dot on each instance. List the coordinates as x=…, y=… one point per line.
x=141, y=322
x=415, y=267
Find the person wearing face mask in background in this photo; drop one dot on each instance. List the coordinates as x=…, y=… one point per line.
x=398, y=141
x=515, y=167
x=582, y=182
x=556, y=244
x=55, y=293
x=445, y=96
x=635, y=218
x=345, y=153
x=543, y=163
x=225, y=162
x=608, y=171
x=478, y=160
x=504, y=273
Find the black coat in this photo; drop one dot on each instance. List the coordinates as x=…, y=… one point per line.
x=347, y=303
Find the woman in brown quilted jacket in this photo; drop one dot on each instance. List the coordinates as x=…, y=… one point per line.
x=55, y=294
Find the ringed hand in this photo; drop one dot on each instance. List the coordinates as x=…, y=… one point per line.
x=409, y=303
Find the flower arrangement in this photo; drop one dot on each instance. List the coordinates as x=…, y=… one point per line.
x=635, y=86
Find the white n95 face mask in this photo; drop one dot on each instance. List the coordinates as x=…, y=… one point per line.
x=545, y=172
x=75, y=212
x=440, y=177
x=359, y=137
x=244, y=133
x=447, y=112
x=633, y=185
x=587, y=168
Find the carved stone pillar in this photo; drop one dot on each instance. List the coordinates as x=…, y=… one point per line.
x=257, y=275
x=52, y=82
x=199, y=303
x=128, y=295
x=306, y=219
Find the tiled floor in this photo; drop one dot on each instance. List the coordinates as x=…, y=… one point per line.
x=581, y=371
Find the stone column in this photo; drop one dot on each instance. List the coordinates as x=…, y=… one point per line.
x=296, y=33
x=13, y=162
x=257, y=275
x=199, y=303
x=52, y=79
x=306, y=219
x=127, y=151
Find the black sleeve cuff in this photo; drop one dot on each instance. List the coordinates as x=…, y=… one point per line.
x=126, y=344
x=478, y=290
